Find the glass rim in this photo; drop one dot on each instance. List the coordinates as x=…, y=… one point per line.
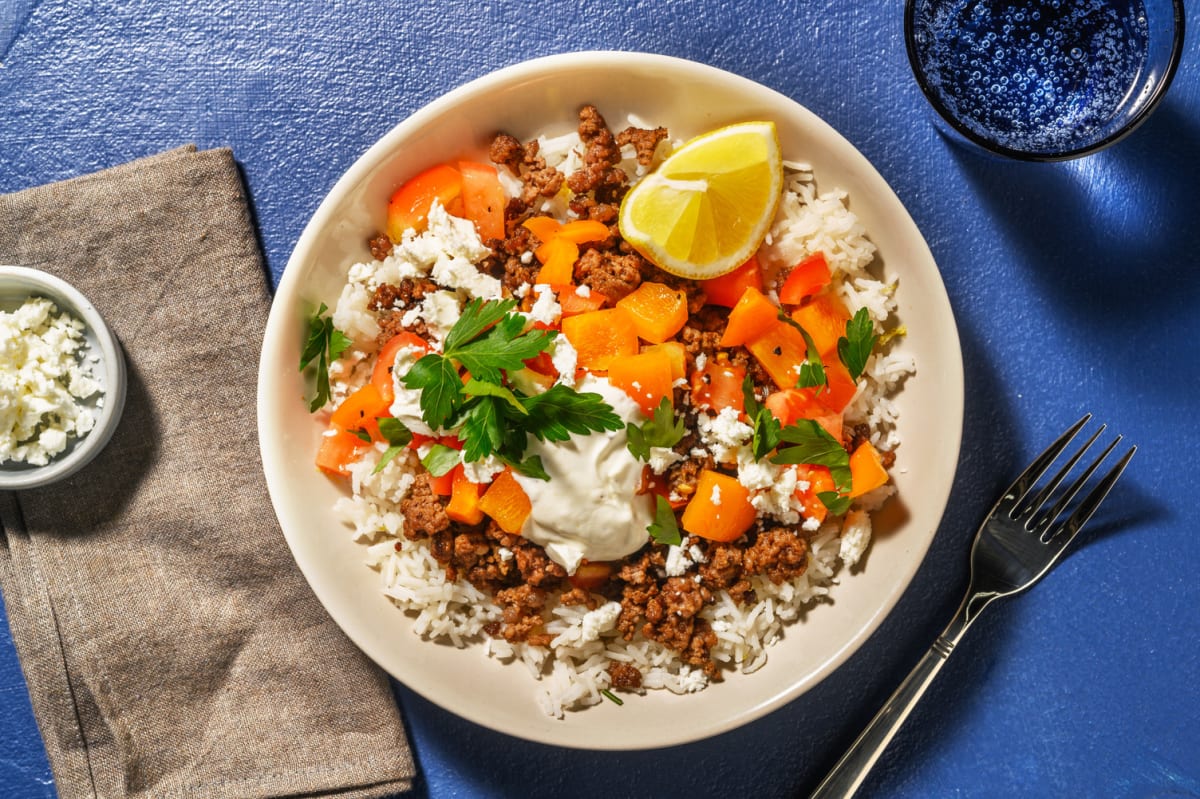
x=1156, y=96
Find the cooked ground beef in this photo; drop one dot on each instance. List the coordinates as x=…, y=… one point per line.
x=380, y=246
x=408, y=292
x=608, y=273
x=644, y=142
x=780, y=553
x=521, y=609
x=423, y=511
x=622, y=676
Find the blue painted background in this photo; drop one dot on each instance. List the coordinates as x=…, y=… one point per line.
x=1074, y=285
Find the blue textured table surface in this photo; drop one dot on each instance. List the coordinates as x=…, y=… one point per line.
x=1073, y=286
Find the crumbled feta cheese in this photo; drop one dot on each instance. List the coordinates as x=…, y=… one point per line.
x=593, y=624
x=481, y=472
x=715, y=497
x=856, y=535
x=723, y=434
x=504, y=553
x=677, y=561
x=661, y=458
x=546, y=308
x=701, y=361
x=583, y=290
x=565, y=358
x=406, y=407
x=43, y=382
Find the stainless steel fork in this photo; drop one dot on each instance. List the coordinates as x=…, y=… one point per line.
x=1020, y=540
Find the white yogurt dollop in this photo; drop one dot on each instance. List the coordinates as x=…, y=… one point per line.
x=589, y=508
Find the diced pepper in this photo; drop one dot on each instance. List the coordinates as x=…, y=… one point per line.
x=581, y=231
x=837, y=395
x=806, y=278
x=544, y=227
x=824, y=318
x=720, y=510
x=381, y=375
x=658, y=311
x=600, y=336
x=866, y=470
x=652, y=483
x=410, y=204
x=360, y=410
x=645, y=377
x=589, y=576
x=558, y=257
x=464, y=498
x=819, y=480
x=506, y=503
x=719, y=385
x=780, y=349
x=338, y=450
x=678, y=355
x=443, y=485
x=791, y=404
x=572, y=302
x=727, y=289
x=751, y=317
x=483, y=198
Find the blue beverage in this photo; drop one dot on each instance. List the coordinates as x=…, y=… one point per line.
x=1044, y=77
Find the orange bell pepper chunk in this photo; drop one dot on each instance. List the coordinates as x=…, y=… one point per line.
x=645, y=377
x=506, y=503
x=780, y=349
x=824, y=318
x=409, y=205
x=866, y=470
x=751, y=317
x=464, y=498
x=360, y=410
x=841, y=387
x=573, y=303
x=483, y=198
x=727, y=289
x=600, y=336
x=819, y=481
x=719, y=385
x=658, y=311
x=558, y=256
x=544, y=227
x=338, y=450
x=678, y=355
x=581, y=231
x=791, y=404
x=720, y=510
x=806, y=278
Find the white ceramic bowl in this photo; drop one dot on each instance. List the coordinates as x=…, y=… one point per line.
x=545, y=95
x=17, y=284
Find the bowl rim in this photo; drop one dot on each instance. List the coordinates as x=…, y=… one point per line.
x=288, y=291
x=993, y=148
x=38, y=283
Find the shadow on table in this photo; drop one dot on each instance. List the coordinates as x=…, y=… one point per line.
x=789, y=751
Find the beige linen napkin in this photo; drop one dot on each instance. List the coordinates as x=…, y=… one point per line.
x=170, y=645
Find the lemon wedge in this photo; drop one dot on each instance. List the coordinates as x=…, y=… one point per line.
x=708, y=206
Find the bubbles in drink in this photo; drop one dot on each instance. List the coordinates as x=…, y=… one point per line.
x=1037, y=77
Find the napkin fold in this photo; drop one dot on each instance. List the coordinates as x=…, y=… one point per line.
x=170, y=644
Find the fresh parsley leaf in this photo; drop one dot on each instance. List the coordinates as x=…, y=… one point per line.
x=835, y=502
x=506, y=347
x=324, y=345
x=560, y=411
x=361, y=435
x=855, y=347
x=481, y=388
x=482, y=429
x=398, y=437
x=766, y=433
x=530, y=467
x=441, y=389
x=440, y=459
x=660, y=430
x=664, y=529
x=749, y=398
x=811, y=443
x=476, y=317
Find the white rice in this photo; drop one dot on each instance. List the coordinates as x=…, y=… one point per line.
x=572, y=672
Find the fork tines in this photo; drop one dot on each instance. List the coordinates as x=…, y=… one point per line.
x=1021, y=505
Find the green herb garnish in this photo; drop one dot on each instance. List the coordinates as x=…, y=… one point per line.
x=765, y=425
x=812, y=371
x=664, y=529
x=324, y=345
x=811, y=443
x=660, y=430
x=440, y=459
x=610, y=696
x=397, y=436
x=855, y=347
x=835, y=502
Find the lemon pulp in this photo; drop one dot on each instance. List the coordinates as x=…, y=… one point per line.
x=708, y=206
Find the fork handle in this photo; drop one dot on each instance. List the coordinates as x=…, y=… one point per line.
x=852, y=769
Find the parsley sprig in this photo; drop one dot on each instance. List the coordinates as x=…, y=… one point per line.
x=660, y=430
x=664, y=529
x=807, y=442
x=492, y=418
x=855, y=347
x=324, y=345
x=812, y=371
